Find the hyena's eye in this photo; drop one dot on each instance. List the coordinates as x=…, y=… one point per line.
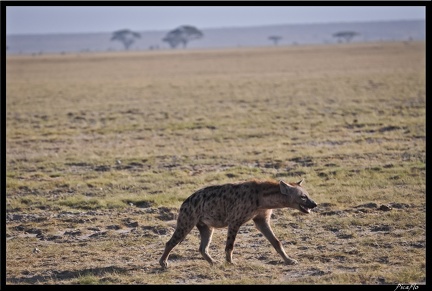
x=303, y=198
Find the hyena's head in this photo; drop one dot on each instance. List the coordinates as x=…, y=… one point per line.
x=298, y=197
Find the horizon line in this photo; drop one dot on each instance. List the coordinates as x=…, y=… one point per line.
x=209, y=28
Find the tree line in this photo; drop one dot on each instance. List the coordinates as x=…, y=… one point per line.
x=341, y=36
x=181, y=36
x=178, y=36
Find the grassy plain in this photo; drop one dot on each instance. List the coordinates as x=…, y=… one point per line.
x=102, y=148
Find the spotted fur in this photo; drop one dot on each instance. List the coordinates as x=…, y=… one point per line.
x=232, y=205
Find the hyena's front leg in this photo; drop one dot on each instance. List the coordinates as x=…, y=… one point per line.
x=263, y=225
x=232, y=233
x=206, y=234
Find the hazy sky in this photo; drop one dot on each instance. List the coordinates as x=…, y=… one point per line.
x=71, y=19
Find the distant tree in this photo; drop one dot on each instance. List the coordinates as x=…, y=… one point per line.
x=275, y=39
x=346, y=35
x=182, y=35
x=125, y=36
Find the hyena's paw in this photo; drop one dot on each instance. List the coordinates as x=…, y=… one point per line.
x=290, y=262
x=230, y=263
x=164, y=264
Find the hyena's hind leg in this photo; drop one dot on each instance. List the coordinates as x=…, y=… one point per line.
x=184, y=225
x=206, y=234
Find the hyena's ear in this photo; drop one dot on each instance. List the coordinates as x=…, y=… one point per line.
x=300, y=182
x=284, y=187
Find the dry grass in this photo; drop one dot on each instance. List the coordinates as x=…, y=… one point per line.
x=101, y=150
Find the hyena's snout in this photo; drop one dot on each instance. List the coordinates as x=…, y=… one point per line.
x=311, y=204
x=307, y=205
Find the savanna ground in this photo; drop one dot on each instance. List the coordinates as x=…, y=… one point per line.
x=102, y=148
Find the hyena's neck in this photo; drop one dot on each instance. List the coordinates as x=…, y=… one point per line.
x=271, y=196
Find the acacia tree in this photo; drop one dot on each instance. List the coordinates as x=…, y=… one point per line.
x=347, y=35
x=182, y=35
x=275, y=39
x=125, y=36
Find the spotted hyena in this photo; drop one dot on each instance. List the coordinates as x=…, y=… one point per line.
x=232, y=205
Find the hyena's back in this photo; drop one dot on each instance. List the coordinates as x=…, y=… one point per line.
x=217, y=206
